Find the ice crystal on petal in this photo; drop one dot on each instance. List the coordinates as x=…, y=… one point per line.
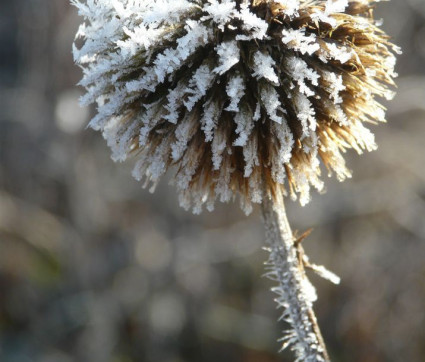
x=228, y=53
x=235, y=90
x=341, y=53
x=305, y=113
x=244, y=123
x=335, y=85
x=264, y=67
x=198, y=85
x=331, y=7
x=289, y=7
x=221, y=12
x=301, y=73
x=335, y=6
x=252, y=24
x=298, y=40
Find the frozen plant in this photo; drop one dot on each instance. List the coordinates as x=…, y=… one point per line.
x=240, y=99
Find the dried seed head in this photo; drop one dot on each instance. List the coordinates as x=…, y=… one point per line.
x=234, y=95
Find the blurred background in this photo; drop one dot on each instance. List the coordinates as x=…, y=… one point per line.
x=94, y=268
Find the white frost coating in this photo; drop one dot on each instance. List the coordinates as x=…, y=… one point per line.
x=331, y=7
x=300, y=72
x=244, y=126
x=257, y=113
x=220, y=12
x=198, y=85
x=150, y=116
x=271, y=103
x=295, y=294
x=209, y=120
x=335, y=85
x=305, y=113
x=119, y=137
x=286, y=143
x=156, y=163
x=256, y=27
x=336, y=112
x=335, y=6
x=183, y=178
x=194, y=91
x=342, y=54
x=171, y=59
x=229, y=55
x=290, y=7
x=264, y=67
x=306, y=174
x=222, y=188
x=297, y=40
x=218, y=146
x=184, y=132
x=321, y=271
x=235, y=90
x=175, y=101
x=250, y=156
x=141, y=37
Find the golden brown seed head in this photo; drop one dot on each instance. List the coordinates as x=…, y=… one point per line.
x=236, y=97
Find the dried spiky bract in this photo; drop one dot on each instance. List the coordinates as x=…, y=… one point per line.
x=232, y=93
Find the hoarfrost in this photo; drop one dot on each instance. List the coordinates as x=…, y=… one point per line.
x=229, y=55
x=296, y=39
x=264, y=67
x=300, y=72
x=271, y=103
x=235, y=90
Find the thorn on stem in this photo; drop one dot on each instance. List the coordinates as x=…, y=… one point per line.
x=299, y=239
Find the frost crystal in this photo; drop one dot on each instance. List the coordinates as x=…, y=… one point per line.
x=231, y=93
x=296, y=39
x=264, y=67
x=235, y=90
x=228, y=53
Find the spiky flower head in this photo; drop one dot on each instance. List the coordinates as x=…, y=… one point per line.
x=237, y=97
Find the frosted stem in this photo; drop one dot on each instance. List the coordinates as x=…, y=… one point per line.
x=294, y=292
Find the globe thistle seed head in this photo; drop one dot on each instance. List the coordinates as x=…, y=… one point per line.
x=234, y=96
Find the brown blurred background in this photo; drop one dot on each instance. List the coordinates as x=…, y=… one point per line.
x=94, y=268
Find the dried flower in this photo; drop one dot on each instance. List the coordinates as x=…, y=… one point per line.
x=239, y=98
x=229, y=93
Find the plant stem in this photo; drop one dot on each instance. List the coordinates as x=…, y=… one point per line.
x=295, y=293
